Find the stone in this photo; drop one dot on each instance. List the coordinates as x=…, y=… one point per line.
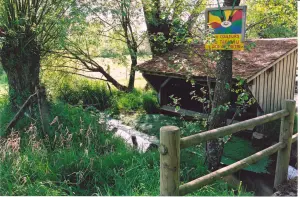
x=257, y=139
x=132, y=137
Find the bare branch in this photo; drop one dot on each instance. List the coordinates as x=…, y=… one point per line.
x=75, y=73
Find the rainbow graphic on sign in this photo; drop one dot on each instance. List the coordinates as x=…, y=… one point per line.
x=233, y=26
x=228, y=27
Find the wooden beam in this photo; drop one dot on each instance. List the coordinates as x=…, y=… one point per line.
x=273, y=95
x=160, y=90
x=184, y=112
x=280, y=97
x=289, y=76
x=177, y=76
x=293, y=81
x=15, y=119
x=207, y=179
x=230, y=129
x=261, y=91
x=246, y=87
x=269, y=91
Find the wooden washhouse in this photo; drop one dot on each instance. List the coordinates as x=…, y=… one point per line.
x=269, y=70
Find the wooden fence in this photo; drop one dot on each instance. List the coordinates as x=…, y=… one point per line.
x=171, y=143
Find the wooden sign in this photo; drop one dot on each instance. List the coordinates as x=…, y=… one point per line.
x=227, y=27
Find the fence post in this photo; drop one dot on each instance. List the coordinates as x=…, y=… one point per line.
x=169, y=160
x=286, y=132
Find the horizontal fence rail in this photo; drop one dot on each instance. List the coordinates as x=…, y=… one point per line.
x=170, y=151
x=207, y=179
x=196, y=139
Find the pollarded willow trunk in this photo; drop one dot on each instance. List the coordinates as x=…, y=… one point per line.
x=22, y=66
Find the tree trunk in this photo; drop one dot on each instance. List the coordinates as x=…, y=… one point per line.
x=222, y=94
x=132, y=72
x=218, y=117
x=157, y=26
x=111, y=79
x=22, y=66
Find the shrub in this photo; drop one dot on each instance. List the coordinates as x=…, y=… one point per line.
x=150, y=103
x=135, y=101
x=129, y=102
x=90, y=93
x=84, y=92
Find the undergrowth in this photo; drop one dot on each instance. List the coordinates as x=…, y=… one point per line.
x=86, y=160
x=96, y=94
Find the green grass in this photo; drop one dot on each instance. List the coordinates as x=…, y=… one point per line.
x=3, y=83
x=87, y=160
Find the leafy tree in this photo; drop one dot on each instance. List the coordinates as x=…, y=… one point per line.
x=272, y=18
x=29, y=28
x=114, y=20
x=165, y=22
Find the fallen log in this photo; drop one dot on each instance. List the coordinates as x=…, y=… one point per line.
x=15, y=119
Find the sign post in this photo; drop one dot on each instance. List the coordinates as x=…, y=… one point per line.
x=227, y=27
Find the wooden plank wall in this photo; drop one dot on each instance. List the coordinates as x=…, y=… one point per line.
x=276, y=84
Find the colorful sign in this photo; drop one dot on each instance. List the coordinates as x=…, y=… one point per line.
x=227, y=26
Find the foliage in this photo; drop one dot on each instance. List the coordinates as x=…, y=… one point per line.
x=169, y=23
x=47, y=21
x=135, y=101
x=150, y=103
x=84, y=92
x=237, y=149
x=87, y=160
x=29, y=30
x=92, y=93
x=3, y=76
x=114, y=22
x=272, y=19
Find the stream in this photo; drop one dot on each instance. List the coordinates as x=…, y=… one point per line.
x=259, y=183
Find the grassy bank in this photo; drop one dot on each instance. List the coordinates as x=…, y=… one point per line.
x=86, y=160
x=83, y=158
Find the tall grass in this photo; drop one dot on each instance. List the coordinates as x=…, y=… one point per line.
x=87, y=160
